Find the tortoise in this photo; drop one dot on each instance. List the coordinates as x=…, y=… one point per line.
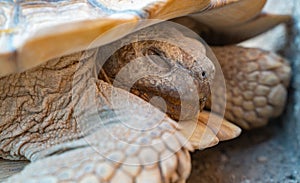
x=51, y=105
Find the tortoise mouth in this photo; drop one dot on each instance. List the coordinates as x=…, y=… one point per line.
x=177, y=107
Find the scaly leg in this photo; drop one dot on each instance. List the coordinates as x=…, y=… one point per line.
x=111, y=152
x=256, y=84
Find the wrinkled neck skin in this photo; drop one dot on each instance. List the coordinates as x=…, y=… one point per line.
x=37, y=107
x=52, y=108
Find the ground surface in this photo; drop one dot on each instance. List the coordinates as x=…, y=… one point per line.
x=266, y=155
x=270, y=154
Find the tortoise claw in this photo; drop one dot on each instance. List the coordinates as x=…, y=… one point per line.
x=208, y=130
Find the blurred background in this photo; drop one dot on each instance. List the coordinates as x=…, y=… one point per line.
x=272, y=153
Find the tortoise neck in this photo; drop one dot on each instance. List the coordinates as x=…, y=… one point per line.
x=37, y=106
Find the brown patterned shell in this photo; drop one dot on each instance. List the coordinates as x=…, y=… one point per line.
x=33, y=31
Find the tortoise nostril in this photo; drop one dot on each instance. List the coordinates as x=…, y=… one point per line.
x=204, y=74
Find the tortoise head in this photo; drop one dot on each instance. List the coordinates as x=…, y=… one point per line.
x=164, y=74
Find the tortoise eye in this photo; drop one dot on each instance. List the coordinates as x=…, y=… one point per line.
x=155, y=51
x=158, y=57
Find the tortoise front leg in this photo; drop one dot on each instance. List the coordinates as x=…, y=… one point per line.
x=256, y=84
